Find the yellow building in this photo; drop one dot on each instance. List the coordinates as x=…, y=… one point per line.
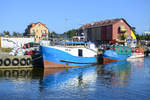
x=37, y=30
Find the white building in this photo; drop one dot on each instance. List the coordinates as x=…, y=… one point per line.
x=10, y=42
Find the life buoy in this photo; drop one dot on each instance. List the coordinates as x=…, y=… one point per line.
x=7, y=62
x=1, y=62
x=28, y=61
x=15, y=61
x=23, y=62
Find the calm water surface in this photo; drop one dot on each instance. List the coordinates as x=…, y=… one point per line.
x=125, y=80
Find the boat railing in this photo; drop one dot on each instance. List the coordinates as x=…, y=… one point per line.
x=124, y=50
x=137, y=50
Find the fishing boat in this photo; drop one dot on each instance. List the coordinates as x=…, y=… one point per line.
x=118, y=53
x=71, y=54
x=137, y=53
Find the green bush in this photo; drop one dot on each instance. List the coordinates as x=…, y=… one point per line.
x=6, y=49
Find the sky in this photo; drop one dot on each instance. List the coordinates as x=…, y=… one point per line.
x=63, y=15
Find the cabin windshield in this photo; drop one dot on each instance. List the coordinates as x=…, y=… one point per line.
x=78, y=44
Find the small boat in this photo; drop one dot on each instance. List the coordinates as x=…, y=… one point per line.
x=137, y=53
x=71, y=54
x=118, y=53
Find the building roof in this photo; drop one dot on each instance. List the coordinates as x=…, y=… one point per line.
x=34, y=24
x=104, y=23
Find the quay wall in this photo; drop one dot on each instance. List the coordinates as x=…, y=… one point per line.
x=15, y=62
x=25, y=61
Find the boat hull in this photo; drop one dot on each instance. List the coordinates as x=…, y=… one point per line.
x=112, y=56
x=108, y=60
x=136, y=55
x=54, y=58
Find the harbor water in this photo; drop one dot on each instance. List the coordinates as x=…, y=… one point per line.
x=124, y=80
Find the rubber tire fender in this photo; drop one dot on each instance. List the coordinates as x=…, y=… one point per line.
x=28, y=61
x=1, y=62
x=17, y=62
x=7, y=62
x=23, y=62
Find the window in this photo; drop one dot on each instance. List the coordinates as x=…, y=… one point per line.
x=122, y=29
x=33, y=32
x=43, y=31
x=121, y=49
x=80, y=52
x=125, y=49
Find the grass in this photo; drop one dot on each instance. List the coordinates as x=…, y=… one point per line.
x=6, y=49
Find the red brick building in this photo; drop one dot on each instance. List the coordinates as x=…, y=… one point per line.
x=106, y=31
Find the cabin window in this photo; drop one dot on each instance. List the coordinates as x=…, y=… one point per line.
x=80, y=52
x=125, y=49
x=117, y=49
x=121, y=49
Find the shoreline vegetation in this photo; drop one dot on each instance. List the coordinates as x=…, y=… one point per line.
x=6, y=50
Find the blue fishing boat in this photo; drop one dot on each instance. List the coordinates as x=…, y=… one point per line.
x=118, y=53
x=71, y=54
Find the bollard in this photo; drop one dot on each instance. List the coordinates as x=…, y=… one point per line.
x=100, y=56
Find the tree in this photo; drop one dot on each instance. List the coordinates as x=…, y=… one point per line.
x=19, y=34
x=59, y=36
x=6, y=33
x=1, y=34
x=53, y=34
x=15, y=34
x=143, y=37
x=70, y=33
x=49, y=34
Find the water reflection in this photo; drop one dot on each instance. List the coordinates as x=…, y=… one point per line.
x=115, y=74
x=117, y=79
x=110, y=75
x=16, y=73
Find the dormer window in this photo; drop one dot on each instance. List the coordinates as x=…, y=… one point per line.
x=122, y=29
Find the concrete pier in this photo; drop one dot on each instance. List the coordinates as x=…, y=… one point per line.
x=25, y=61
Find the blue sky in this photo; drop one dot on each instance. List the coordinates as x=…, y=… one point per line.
x=63, y=15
